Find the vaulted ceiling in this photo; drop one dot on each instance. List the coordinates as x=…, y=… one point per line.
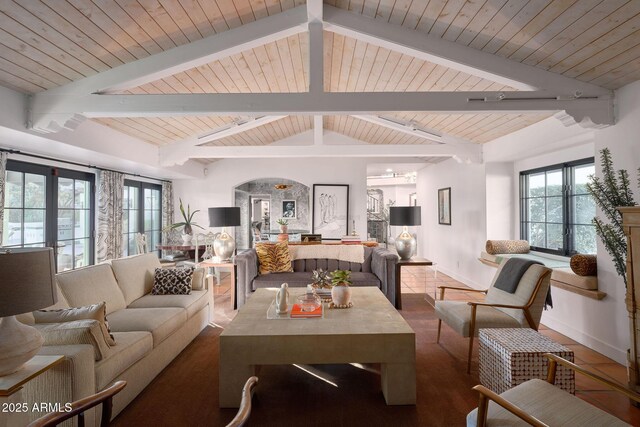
x=46, y=44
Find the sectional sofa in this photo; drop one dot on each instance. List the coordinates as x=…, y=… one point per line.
x=378, y=269
x=149, y=330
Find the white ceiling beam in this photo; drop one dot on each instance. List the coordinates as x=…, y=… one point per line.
x=178, y=149
x=318, y=130
x=190, y=55
x=450, y=54
x=466, y=154
x=597, y=110
x=399, y=127
x=315, y=10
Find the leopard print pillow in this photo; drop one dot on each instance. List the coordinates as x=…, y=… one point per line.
x=172, y=281
x=274, y=258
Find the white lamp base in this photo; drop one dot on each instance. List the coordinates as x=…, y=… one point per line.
x=224, y=246
x=18, y=344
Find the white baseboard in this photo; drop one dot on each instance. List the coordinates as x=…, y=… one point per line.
x=617, y=354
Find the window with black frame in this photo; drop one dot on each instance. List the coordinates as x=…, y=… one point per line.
x=50, y=206
x=556, y=209
x=142, y=213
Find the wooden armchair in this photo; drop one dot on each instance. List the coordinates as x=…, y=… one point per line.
x=522, y=309
x=245, y=404
x=79, y=406
x=539, y=403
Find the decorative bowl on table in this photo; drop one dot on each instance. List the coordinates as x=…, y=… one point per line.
x=309, y=302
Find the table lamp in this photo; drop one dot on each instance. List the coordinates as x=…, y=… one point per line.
x=405, y=216
x=27, y=283
x=224, y=245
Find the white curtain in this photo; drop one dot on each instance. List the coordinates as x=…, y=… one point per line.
x=3, y=170
x=167, y=204
x=110, y=194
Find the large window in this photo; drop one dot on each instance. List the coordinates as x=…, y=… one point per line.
x=52, y=207
x=142, y=205
x=556, y=209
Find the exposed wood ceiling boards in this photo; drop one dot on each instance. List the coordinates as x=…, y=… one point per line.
x=269, y=133
x=355, y=66
x=275, y=67
x=78, y=38
x=163, y=130
x=592, y=40
x=478, y=128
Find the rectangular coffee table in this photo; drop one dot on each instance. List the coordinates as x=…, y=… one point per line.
x=372, y=331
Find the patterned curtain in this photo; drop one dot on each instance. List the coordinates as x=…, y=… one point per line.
x=167, y=204
x=110, y=194
x=3, y=170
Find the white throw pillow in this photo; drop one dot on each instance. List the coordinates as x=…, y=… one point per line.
x=92, y=312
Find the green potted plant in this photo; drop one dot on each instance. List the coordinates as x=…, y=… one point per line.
x=187, y=223
x=341, y=291
x=283, y=225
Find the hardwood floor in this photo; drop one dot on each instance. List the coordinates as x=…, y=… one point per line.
x=186, y=392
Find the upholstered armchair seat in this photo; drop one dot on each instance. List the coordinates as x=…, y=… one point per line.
x=457, y=315
x=549, y=404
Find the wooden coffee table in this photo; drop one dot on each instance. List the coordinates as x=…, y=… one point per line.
x=370, y=332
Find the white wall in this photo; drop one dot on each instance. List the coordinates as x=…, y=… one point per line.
x=455, y=248
x=216, y=189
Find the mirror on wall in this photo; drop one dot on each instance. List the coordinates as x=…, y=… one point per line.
x=263, y=202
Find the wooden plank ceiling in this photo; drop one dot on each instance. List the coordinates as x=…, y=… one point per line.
x=47, y=43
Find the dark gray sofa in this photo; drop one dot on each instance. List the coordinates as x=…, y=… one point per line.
x=378, y=269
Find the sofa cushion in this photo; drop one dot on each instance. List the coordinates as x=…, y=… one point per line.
x=130, y=347
x=457, y=314
x=193, y=303
x=172, y=281
x=302, y=279
x=274, y=257
x=86, y=331
x=161, y=322
x=94, y=311
x=584, y=265
x=88, y=285
x=135, y=274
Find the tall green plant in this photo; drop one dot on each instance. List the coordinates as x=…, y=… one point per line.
x=611, y=192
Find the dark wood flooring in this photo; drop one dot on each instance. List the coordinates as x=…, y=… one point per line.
x=186, y=392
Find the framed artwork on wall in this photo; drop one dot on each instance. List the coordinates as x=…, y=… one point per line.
x=444, y=206
x=289, y=209
x=330, y=210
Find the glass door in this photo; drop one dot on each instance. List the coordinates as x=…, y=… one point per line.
x=52, y=207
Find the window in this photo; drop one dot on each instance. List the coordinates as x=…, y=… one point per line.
x=142, y=213
x=53, y=207
x=556, y=209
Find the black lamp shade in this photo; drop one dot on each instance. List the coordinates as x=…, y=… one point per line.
x=224, y=217
x=404, y=215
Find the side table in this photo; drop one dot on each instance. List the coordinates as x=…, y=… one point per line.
x=401, y=263
x=14, y=409
x=511, y=356
x=234, y=275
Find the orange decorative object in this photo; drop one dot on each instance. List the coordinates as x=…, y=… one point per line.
x=283, y=237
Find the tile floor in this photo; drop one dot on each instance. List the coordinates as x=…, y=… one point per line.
x=425, y=280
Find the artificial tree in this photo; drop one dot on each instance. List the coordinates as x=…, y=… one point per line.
x=610, y=193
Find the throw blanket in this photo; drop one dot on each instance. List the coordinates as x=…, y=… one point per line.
x=349, y=253
x=512, y=272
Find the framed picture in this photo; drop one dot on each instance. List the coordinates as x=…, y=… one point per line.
x=289, y=209
x=330, y=210
x=413, y=199
x=444, y=206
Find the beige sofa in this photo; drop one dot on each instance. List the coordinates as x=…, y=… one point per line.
x=149, y=330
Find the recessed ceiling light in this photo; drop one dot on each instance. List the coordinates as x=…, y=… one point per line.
x=389, y=170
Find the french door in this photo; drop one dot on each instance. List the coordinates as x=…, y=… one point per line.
x=53, y=207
